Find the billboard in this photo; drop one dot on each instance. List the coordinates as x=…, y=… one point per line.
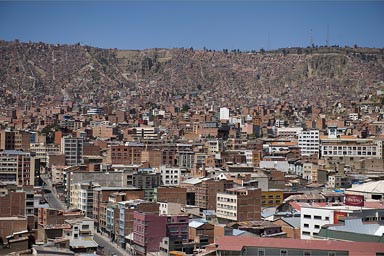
x=337, y=216
x=354, y=200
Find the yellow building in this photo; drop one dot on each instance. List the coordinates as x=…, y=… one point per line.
x=271, y=198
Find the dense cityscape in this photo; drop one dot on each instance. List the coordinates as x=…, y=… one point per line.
x=191, y=152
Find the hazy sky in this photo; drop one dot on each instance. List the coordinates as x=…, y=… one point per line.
x=244, y=25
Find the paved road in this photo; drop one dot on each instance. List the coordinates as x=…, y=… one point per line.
x=51, y=198
x=109, y=247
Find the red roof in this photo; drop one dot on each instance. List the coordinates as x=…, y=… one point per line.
x=233, y=243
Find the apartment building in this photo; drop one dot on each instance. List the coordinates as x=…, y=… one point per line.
x=18, y=167
x=42, y=150
x=239, y=204
x=103, y=195
x=15, y=140
x=148, y=232
x=124, y=223
x=170, y=176
x=125, y=154
x=176, y=234
x=206, y=190
x=309, y=143
x=72, y=147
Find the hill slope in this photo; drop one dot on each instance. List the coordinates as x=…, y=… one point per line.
x=33, y=71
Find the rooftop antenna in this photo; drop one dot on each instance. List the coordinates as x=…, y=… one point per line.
x=327, y=40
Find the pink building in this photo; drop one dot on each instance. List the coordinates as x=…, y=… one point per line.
x=148, y=231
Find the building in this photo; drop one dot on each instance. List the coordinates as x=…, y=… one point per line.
x=18, y=167
x=146, y=178
x=309, y=143
x=239, y=204
x=170, y=176
x=353, y=229
x=15, y=140
x=124, y=221
x=370, y=190
x=271, y=198
x=125, y=154
x=206, y=190
x=171, y=195
x=314, y=217
x=176, y=234
x=102, y=196
x=72, y=147
x=201, y=232
x=232, y=245
x=148, y=232
x=42, y=150
x=82, y=197
x=351, y=150
x=224, y=114
x=81, y=235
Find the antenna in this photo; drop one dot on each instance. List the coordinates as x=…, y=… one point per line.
x=327, y=40
x=311, y=38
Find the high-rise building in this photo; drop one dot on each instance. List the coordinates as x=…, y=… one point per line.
x=72, y=147
x=309, y=143
x=17, y=167
x=148, y=231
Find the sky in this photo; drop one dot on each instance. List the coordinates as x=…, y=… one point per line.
x=212, y=24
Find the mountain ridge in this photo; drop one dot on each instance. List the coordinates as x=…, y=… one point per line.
x=33, y=71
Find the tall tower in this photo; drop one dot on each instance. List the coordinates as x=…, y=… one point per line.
x=311, y=39
x=327, y=40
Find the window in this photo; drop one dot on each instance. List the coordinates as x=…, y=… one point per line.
x=317, y=226
x=306, y=216
x=284, y=252
x=307, y=253
x=306, y=233
x=306, y=225
x=261, y=252
x=316, y=217
x=331, y=253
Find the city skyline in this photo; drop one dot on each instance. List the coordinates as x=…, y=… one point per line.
x=216, y=25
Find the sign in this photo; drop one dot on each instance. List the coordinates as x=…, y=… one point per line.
x=354, y=200
x=337, y=216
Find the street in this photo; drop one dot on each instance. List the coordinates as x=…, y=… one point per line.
x=51, y=198
x=109, y=247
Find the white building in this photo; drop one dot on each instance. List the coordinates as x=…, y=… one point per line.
x=224, y=114
x=282, y=166
x=309, y=142
x=312, y=218
x=170, y=176
x=81, y=234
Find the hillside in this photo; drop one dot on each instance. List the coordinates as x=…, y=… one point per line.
x=35, y=71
